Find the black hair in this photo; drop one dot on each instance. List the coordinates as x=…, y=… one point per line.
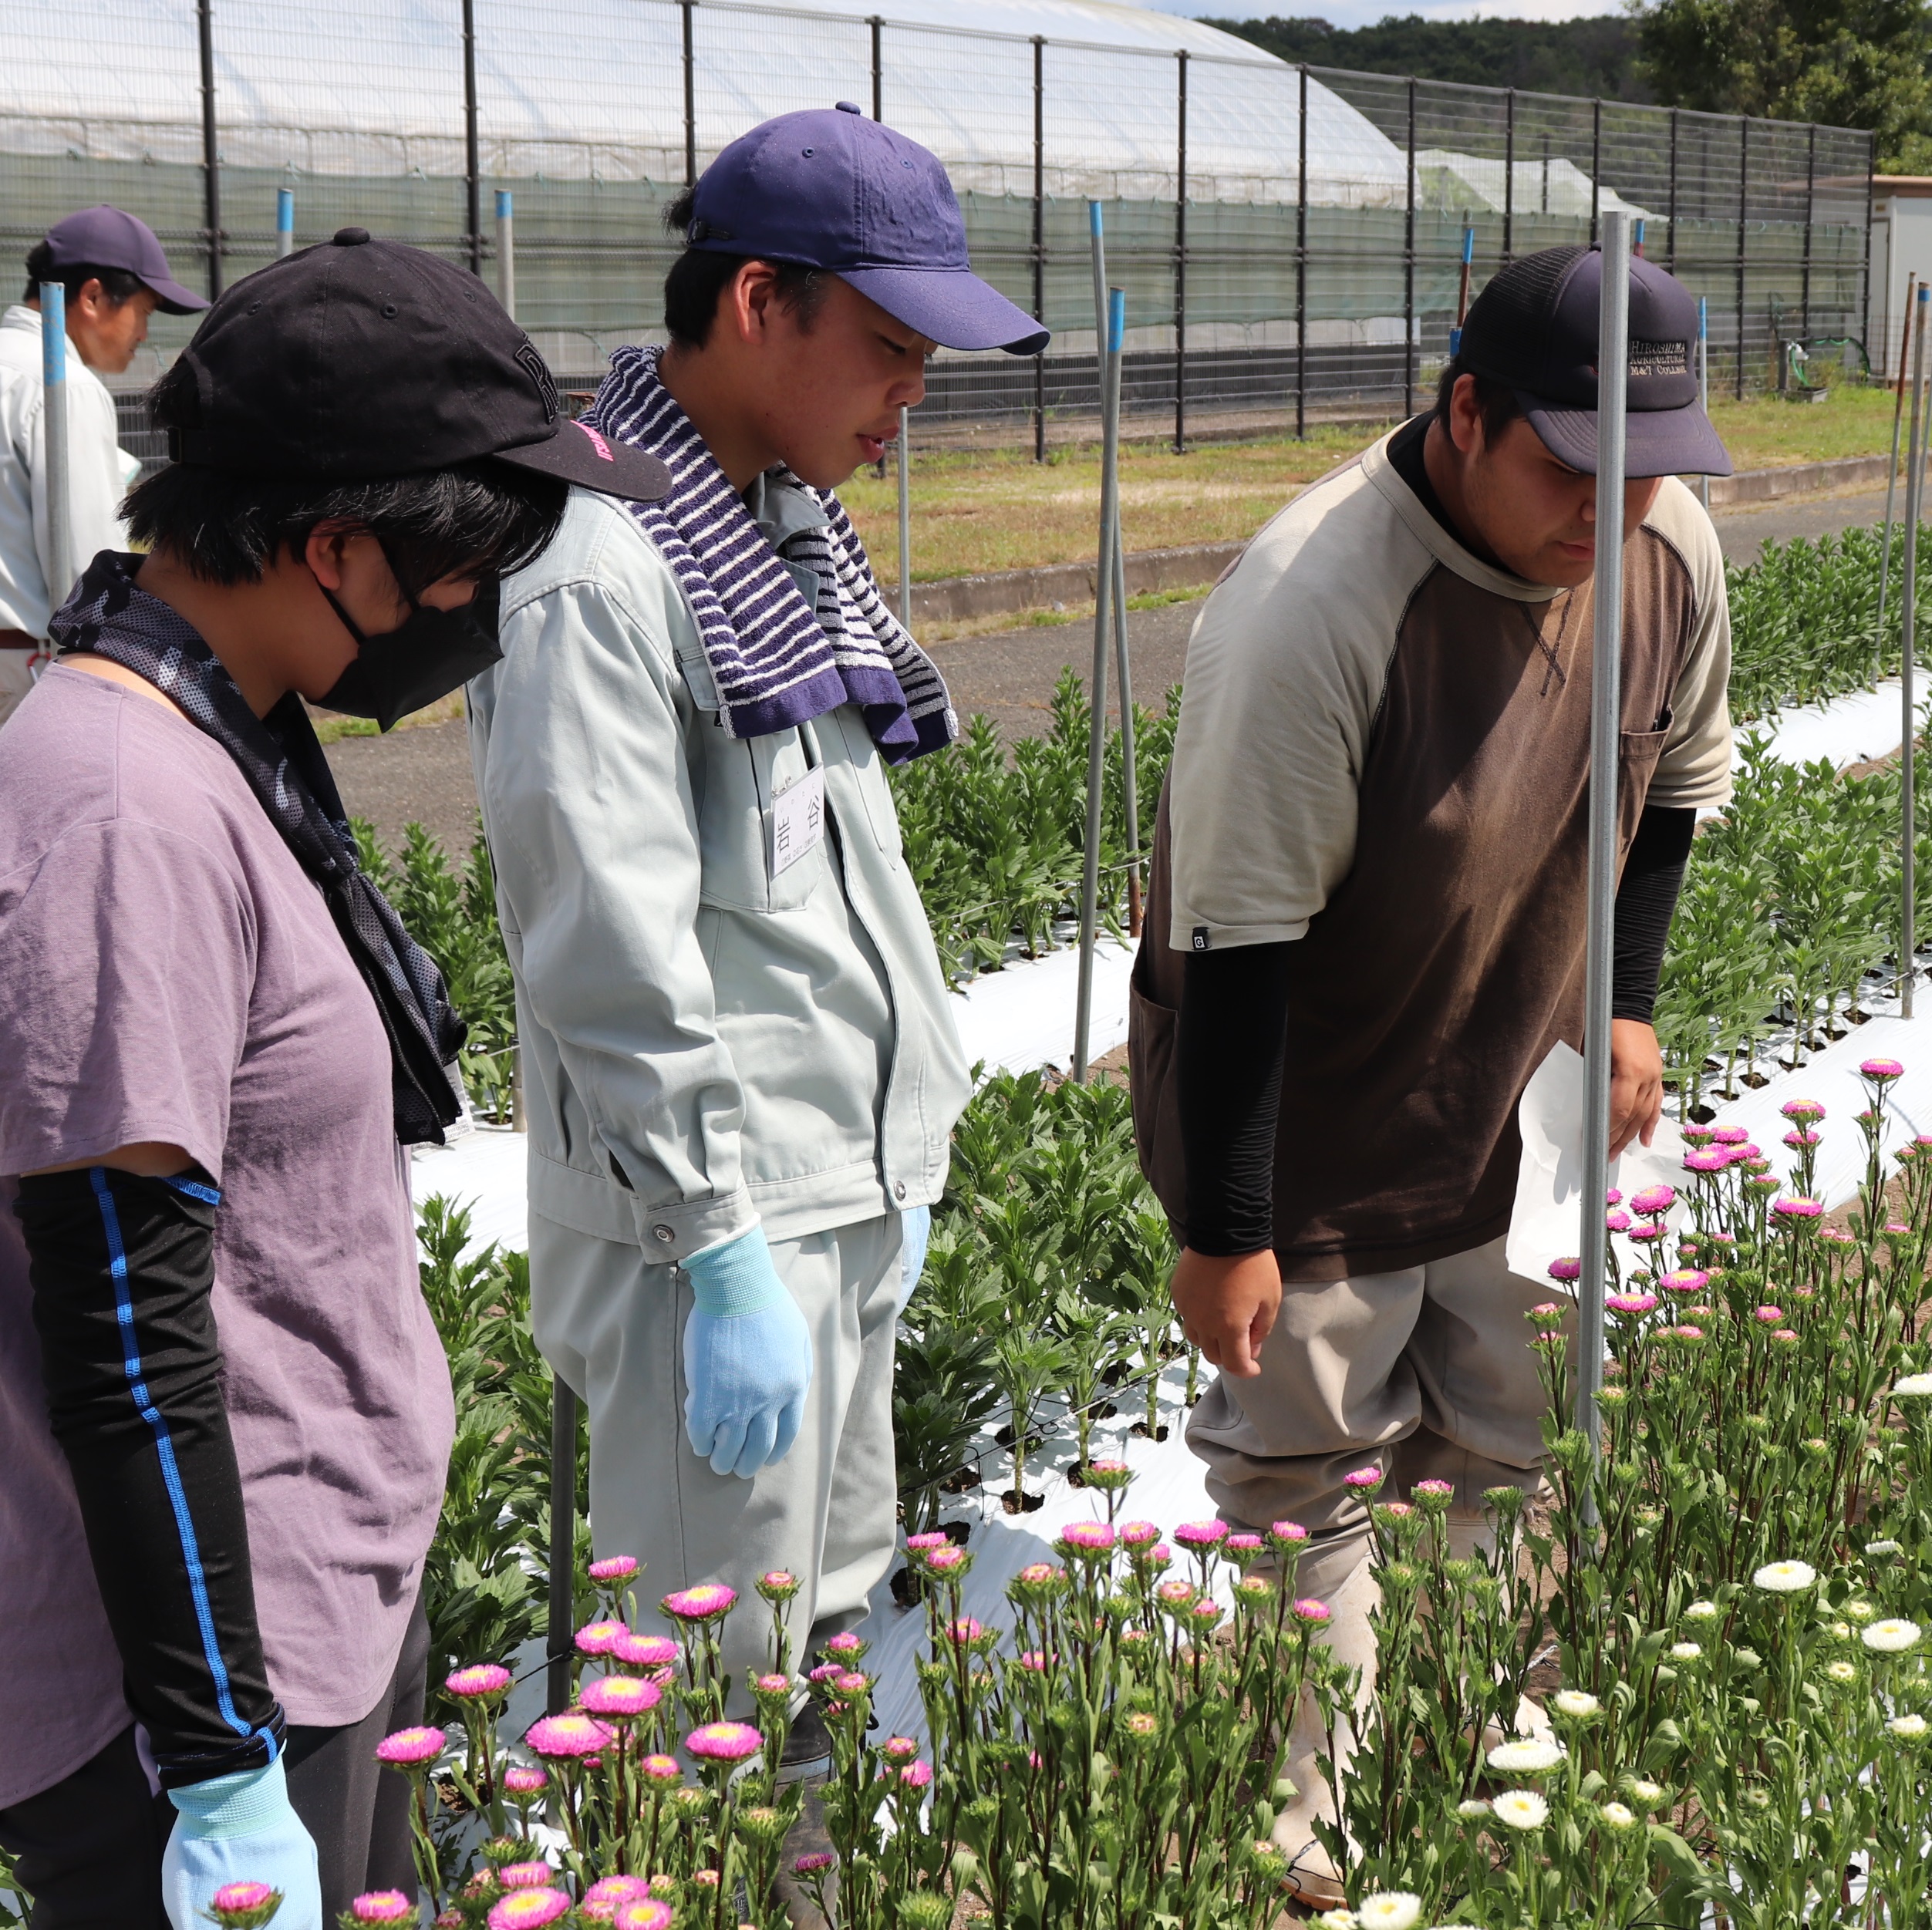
x=1495, y=401
x=480, y=518
x=118, y=284
x=699, y=276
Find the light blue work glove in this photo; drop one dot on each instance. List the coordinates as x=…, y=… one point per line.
x=239, y=1829
x=915, y=1234
x=748, y=1359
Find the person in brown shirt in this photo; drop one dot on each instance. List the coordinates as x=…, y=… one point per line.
x=1371, y=929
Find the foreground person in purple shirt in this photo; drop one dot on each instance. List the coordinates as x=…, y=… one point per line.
x=224, y=1415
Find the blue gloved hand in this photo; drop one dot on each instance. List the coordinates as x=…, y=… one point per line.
x=748, y=1359
x=239, y=1829
x=915, y=1234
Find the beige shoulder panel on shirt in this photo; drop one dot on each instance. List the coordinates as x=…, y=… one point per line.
x=1694, y=769
x=1285, y=670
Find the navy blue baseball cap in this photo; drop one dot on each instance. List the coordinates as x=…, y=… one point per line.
x=828, y=188
x=110, y=237
x=1534, y=327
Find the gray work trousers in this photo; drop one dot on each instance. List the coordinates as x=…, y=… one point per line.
x=612, y=1323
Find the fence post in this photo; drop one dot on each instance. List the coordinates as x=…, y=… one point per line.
x=1908, y=611
x=1408, y=271
x=1181, y=256
x=905, y=521
x=506, y=253
x=284, y=222
x=54, y=449
x=1670, y=243
x=210, y=153
x=1811, y=198
x=1301, y=268
x=1865, y=302
x=1510, y=178
x=1596, y=170
x=472, y=160
x=559, y=1645
x=1040, y=241
x=1606, y=721
x=1744, y=209
x=690, y=99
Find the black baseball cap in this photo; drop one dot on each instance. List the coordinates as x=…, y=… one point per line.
x=1534, y=327
x=358, y=359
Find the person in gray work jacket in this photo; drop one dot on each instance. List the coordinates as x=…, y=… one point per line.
x=739, y=1067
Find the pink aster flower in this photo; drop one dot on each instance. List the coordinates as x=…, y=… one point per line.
x=1784, y=1336
x=846, y=1643
x=851, y=1682
x=1089, y=1538
x=1632, y=1304
x=601, y=1900
x=1731, y=1136
x=1896, y=1229
x=1035, y=1662
x=724, y=1742
x=1706, y=1159
x=1176, y=1594
x=930, y=1539
x=898, y=1748
x=778, y=1585
x=641, y=1913
x=1654, y=1200
x=1807, y=1112
x=614, y=1567
x=243, y=1906
x=523, y=1876
x=1138, y=1534
x=410, y=1748
x=965, y=1629
x=708, y=1601
x=660, y=1770
x=524, y=1779
x=383, y=1906
x=1794, y=1208
x=1565, y=1269
x=1159, y=1556
x=1697, y=1134
x=916, y=1776
x=1770, y=1316
x=1881, y=1070
x=597, y=1638
x=1308, y=1609
x=481, y=1678
x=1037, y=1575
x=1686, y=1280
x=944, y=1560
x=1211, y=1534
x=528, y=1909
x=812, y=1862
x=1613, y=1198
x=1616, y=1222
x=1655, y=1231
x=1836, y=1235
x=1434, y=1490
x=645, y=1651
x=1245, y=1544
x=1799, y=1138
x=1286, y=1531
x=566, y=1738
x=1685, y=1332
x=621, y=1697
x=826, y=1671
x=771, y=1685
x=1363, y=1480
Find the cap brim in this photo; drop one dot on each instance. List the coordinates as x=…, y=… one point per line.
x=576, y=454
x=1657, y=442
x=951, y=306
x=176, y=300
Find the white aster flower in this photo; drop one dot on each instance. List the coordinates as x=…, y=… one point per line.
x=1472, y=1808
x=1841, y=1631
x=1702, y=1612
x=1520, y=1809
x=1684, y=1652
x=1841, y=1672
x=1785, y=1578
x=1911, y=1387
x=1648, y=1794
x=1881, y=1548
x=1858, y=1609
x=1334, y=1920
x=1891, y=1636
x=1908, y=1729
x=1576, y=1703
x=1390, y=1910
x=1527, y=1756
x=1619, y=1816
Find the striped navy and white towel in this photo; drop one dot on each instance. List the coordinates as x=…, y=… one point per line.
x=776, y=660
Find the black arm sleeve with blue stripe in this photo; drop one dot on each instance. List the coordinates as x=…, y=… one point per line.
x=123, y=1269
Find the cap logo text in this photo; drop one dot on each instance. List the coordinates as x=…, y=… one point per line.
x=597, y=442
x=1659, y=357
x=533, y=365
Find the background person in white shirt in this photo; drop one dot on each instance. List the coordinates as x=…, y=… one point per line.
x=115, y=275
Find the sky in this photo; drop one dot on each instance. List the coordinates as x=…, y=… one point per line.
x=1365, y=13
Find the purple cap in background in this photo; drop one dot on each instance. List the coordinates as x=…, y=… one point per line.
x=829, y=189
x=110, y=237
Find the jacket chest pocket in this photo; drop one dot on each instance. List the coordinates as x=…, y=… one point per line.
x=761, y=845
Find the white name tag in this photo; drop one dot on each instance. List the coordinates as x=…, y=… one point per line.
x=797, y=820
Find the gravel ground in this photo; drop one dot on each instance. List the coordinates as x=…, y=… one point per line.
x=424, y=774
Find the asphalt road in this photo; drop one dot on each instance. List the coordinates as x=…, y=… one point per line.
x=424, y=774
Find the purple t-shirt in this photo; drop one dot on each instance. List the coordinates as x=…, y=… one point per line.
x=171, y=974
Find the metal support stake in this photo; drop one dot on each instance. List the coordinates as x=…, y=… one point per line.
x=210, y=149
x=1670, y=234
x=1892, y=474
x=1181, y=257
x=61, y=571
x=1743, y=210
x=1704, y=381
x=906, y=522
x=1123, y=666
x=877, y=26
x=472, y=156
x=1040, y=241
x=1596, y=170
x=506, y=253
x=559, y=1645
x=1811, y=210
x=284, y=222
x=1509, y=177
x=1606, y=735
x=1301, y=266
x=1908, y=600
x=1097, y=688
x=1408, y=272
x=1462, y=291
x=691, y=97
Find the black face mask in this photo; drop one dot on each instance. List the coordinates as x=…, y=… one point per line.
x=430, y=653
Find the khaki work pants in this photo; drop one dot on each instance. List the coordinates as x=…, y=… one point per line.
x=612, y=1325
x=1427, y=1373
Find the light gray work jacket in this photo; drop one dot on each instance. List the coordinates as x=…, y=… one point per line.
x=709, y=1041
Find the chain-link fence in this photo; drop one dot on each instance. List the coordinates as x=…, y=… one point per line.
x=1289, y=239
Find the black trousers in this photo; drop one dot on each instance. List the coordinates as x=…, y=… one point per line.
x=88, y=1850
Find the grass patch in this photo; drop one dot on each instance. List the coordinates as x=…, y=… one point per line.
x=331, y=728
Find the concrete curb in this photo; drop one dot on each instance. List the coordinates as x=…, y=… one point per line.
x=1190, y=566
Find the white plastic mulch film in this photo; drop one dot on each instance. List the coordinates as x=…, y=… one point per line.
x=590, y=112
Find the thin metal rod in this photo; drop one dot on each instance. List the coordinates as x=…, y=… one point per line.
x=1703, y=381
x=507, y=252
x=1810, y=211
x=1462, y=291
x=1744, y=212
x=561, y=1636
x=1181, y=256
x=877, y=26
x=1892, y=474
x=1670, y=237
x=1606, y=738
x=284, y=222
x=1408, y=272
x=1301, y=265
x=1596, y=168
x=210, y=148
x=1040, y=241
x=905, y=521
x=54, y=456
x=1908, y=611
x=1123, y=666
x=691, y=97
x=1097, y=688
x=472, y=154
x=1510, y=178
